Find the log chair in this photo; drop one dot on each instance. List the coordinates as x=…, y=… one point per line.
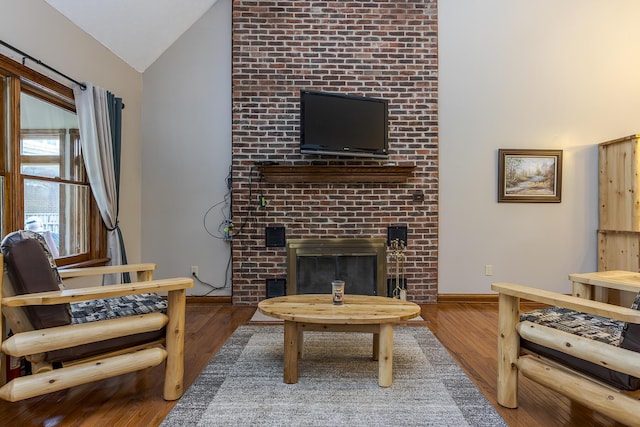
x=603, y=376
x=65, y=353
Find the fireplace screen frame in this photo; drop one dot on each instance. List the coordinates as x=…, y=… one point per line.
x=337, y=247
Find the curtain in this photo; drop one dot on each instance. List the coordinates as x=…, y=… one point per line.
x=100, y=117
x=115, y=119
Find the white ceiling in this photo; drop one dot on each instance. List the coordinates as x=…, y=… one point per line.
x=138, y=31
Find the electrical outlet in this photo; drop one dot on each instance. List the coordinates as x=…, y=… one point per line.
x=194, y=270
x=228, y=229
x=488, y=270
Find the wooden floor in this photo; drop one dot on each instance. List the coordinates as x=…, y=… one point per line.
x=468, y=331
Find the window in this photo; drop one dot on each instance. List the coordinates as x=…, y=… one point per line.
x=42, y=176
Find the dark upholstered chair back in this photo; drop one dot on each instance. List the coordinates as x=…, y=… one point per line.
x=31, y=269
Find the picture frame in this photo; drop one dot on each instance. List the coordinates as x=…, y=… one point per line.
x=529, y=176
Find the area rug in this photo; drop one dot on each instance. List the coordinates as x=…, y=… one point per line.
x=337, y=385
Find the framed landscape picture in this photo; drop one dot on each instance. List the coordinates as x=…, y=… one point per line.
x=529, y=176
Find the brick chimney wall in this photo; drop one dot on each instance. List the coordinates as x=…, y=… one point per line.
x=379, y=48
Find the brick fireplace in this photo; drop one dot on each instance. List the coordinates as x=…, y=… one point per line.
x=380, y=48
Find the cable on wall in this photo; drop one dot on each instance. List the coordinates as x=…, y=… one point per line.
x=222, y=234
x=252, y=205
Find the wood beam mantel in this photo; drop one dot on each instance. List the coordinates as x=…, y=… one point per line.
x=332, y=173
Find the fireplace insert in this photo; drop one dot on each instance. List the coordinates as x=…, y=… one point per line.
x=313, y=263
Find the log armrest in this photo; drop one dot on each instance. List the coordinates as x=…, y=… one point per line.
x=597, y=308
x=97, y=292
x=144, y=271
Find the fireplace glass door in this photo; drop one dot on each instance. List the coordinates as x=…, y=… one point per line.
x=315, y=273
x=312, y=264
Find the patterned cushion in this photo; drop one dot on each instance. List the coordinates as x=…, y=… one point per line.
x=636, y=302
x=574, y=322
x=588, y=326
x=112, y=308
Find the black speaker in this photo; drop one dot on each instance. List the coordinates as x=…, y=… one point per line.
x=397, y=232
x=274, y=237
x=276, y=287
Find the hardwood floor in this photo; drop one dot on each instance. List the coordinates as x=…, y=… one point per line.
x=468, y=331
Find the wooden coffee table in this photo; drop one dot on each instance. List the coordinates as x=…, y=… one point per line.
x=359, y=313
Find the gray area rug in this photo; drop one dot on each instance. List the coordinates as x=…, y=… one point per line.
x=337, y=386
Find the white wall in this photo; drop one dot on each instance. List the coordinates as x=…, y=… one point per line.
x=187, y=152
x=513, y=74
x=529, y=74
x=39, y=30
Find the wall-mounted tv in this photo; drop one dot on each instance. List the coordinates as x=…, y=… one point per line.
x=343, y=125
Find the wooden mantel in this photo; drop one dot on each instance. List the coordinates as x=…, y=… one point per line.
x=335, y=173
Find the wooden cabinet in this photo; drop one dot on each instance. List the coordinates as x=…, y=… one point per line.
x=619, y=208
x=618, y=250
x=619, y=193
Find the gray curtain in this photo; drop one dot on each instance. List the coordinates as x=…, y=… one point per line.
x=100, y=122
x=115, y=119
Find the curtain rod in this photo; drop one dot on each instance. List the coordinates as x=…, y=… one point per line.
x=37, y=61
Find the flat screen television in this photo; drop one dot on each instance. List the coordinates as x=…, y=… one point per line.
x=343, y=125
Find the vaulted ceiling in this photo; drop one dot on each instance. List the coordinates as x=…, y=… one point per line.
x=137, y=31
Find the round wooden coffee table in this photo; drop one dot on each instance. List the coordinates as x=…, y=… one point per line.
x=358, y=313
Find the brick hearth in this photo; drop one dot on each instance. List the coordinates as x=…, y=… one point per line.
x=379, y=48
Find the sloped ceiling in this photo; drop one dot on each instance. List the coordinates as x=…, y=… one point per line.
x=138, y=31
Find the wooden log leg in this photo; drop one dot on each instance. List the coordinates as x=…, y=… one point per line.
x=300, y=344
x=290, y=352
x=174, y=371
x=385, y=355
x=508, y=350
x=582, y=290
x=376, y=346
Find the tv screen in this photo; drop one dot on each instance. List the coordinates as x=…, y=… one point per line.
x=343, y=125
